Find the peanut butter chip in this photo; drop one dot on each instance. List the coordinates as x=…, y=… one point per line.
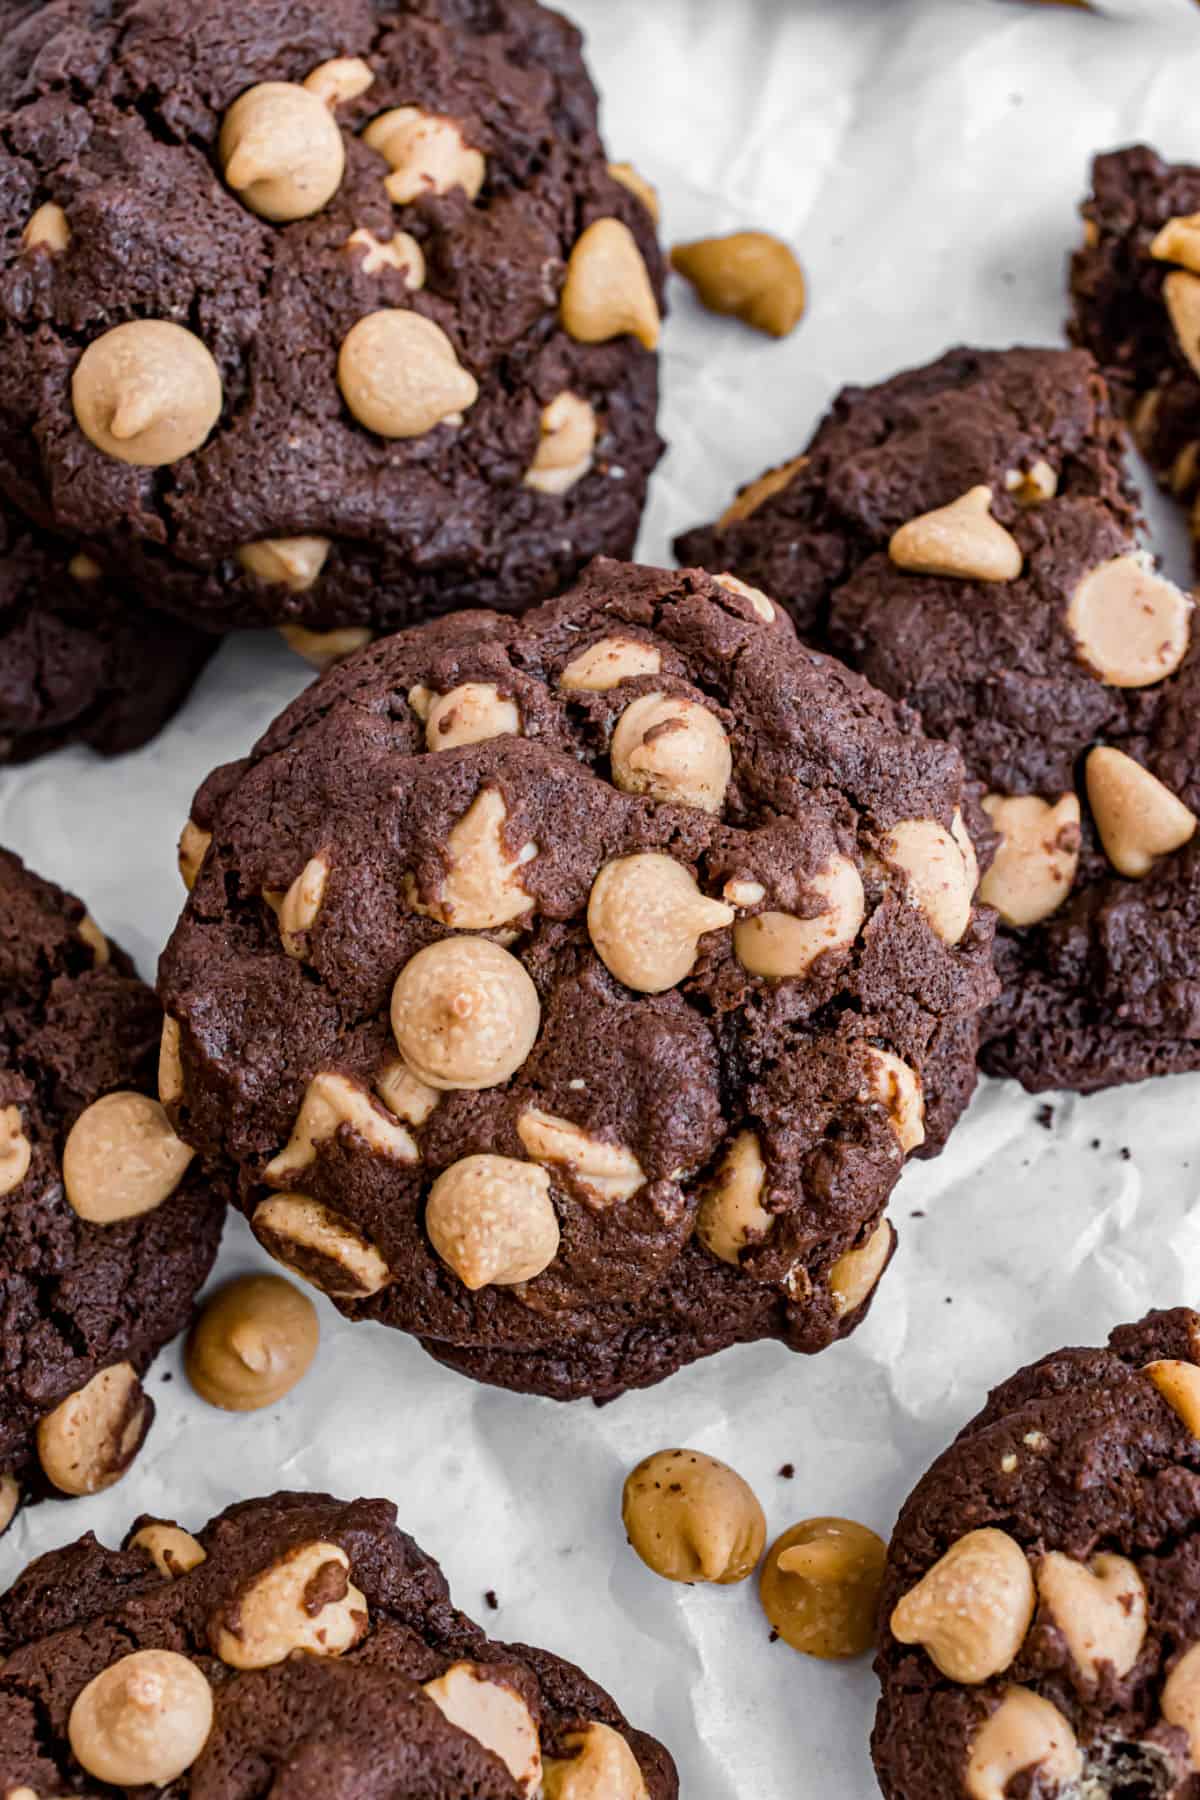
x=1178, y=241
x=1179, y=1385
x=757, y=493
x=1032, y=486
x=608, y=292
x=605, y=1172
x=820, y=1585
x=491, y=1220
x=470, y=714
x=464, y=1014
x=606, y=664
x=47, y=227
x=325, y=648
x=1181, y=293
x=170, y=1064
x=961, y=539
x=174, y=1552
x=780, y=946
x=567, y=447
x=83, y=567
x=281, y=151
x=495, y=1715
x=1024, y=1733
x=10, y=1500
x=283, y=1610
x=193, y=848
x=758, y=600
x=91, y=1437
x=482, y=889
x=645, y=191
x=1130, y=625
x=897, y=1088
x=941, y=879
x=750, y=274
x=146, y=393
x=15, y=1149
x=403, y=1094
x=855, y=1275
x=1181, y=1700
x=121, y=1159
x=1137, y=817
x=673, y=750
x=646, y=917
x=96, y=941
x=143, y=1721
x=691, y=1518
x=1100, y=1608
x=341, y=79
x=602, y=1767
x=426, y=154
x=730, y=1214
x=293, y=563
x=301, y=904
x=400, y=376
x=972, y=1609
x=320, y=1246
x=254, y=1340
x=400, y=252
x=332, y=1101
x=1035, y=867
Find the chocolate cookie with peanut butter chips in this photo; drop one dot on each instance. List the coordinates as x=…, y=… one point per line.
x=965, y=535
x=332, y=316
x=108, y=1223
x=569, y=991
x=1040, y=1619
x=296, y=1644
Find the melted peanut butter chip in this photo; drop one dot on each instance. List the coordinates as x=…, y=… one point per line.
x=15, y=1150
x=605, y=1172
x=1179, y=1385
x=1181, y=1700
x=820, y=1585
x=691, y=1518
x=961, y=540
x=897, y=1088
x=646, y=916
x=281, y=151
x=400, y=376
x=170, y=1063
x=608, y=292
x=325, y=648
x=173, y=1551
x=146, y=393
x=1138, y=818
x=644, y=190
x=1181, y=293
x=193, y=848
x=482, y=888
x=10, y=1500
x=855, y=1275
x=1025, y=1732
x=332, y=1101
x=1034, y=869
x=747, y=502
x=495, y=1715
x=293, y=563
x=941, y=879
x=673, y=750
x=253, y=1341
x=470, y=714
x=122, y=1159
x=1100, y=1608
x=341, y=79
x=426, y=154
x=972, y=1609
x=400, y=252
x=404, y=1094
x=601, y=1767
x=567, y=447
x=320, y=1245
x=1032, y=486
x=606, y=664
x=305, y=1601
x=491, y=1220
x=465, y=1014
x=730, y=1214
x=1130, y=624
x=143, y=1721
x=89, y=1440
x=48, y=228
x=782, y=946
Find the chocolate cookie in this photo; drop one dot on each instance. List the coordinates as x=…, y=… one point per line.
x=569, y=991
x=107, y=1225
x=298, y=1644
x=330, y=314
x=79, y=661
x=966, y=536
x=1040, y=1620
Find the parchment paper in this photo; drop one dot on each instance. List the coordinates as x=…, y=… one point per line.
x=926, y=159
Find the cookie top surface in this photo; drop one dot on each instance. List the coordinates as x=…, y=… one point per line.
x=282, y=1611
x=1041, y=1607
x=88, y=1290
x=1076, y=643
x=327, y=418
x=598, y=924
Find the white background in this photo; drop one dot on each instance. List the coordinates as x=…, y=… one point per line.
x=926, y=160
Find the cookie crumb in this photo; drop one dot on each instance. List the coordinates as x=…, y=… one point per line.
x=787, y=1472
x=1045, y=1117
x=493, y=1605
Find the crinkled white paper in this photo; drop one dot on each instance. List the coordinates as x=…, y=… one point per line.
x=926, y=159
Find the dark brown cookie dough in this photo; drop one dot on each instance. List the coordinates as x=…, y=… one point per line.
x=565, y=852
x=89, y=1291
x=80, y=662
x=1041, y=1608
x=289, y=507
x=299, y=1644
x=1026, y=670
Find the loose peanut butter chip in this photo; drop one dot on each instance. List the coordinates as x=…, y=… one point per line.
x=331, y=1102
x=646, y=917
x=644, y=190
x=1100, y=1608
x=601, y=1767
x=305, y=1601
x=146, y=393
x=495, y=1715
x=607, y=663
x=173, y=1551
x=1035, y=867
x=341, y=79
x=470, y=714
x=758, y=600
x=47, y=227
x=750, y=274
x=15, y=1149
x=143, y=1721
x=961, y=539
x=1130, y=625
x=491, y=1220
x=605, y=1172
x=941, y=880
x=1179, y=1385
x=673, y=750
x=1034, y=485
x=855, y=1275
x=747, y=502
x=254, y=1340
x=897, y=1088
x=400, y=376
x=1138, y=818
x=691, y=1518
x=731, y=1214
x=464, y=1014
x=482, y=888
x=325, y=648
x=121, y=1159
x=91, y=1437
x=820, y=1585
x=403, y=1094
x=1181, y=1700
x=320, y=1246
x=567, y=447
x=426, y=154
x=10, y=1500
x=972, y=1609
x=293, y=563
x=1024, y=1733
x=193, y=848
x=779, y=945
x=608, y=292
x=282, y=151
x=1181, y=293
x=400, y=252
